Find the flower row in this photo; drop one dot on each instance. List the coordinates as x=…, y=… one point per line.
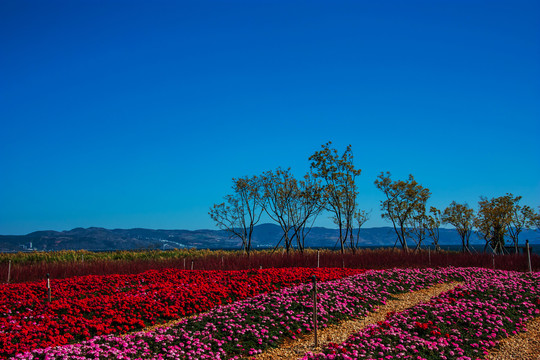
x=249, y=326
x=460, y=324
x=83, y=307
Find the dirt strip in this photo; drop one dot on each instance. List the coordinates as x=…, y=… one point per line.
x=294, y=349
x=158, y=326
x=523, y=346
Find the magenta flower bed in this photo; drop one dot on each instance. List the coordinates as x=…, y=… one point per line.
x=463, y=323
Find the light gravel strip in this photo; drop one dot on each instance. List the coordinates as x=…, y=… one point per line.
x=338, y=333
x=168, y=324
x=523, y=346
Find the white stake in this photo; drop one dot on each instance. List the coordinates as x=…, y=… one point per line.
x=528, y=254
x=315, y=310
x=48, y=287
x=9, y=271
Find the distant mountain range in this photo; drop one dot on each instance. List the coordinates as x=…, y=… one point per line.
x=265, y=235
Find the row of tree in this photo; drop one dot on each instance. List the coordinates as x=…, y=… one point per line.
x=330, y=186
x=497, y=218
x=291, y=203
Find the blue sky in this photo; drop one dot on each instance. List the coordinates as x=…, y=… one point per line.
x=126, y=114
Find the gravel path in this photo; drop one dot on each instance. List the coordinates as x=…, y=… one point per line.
x=523, y=346
x=294, y=349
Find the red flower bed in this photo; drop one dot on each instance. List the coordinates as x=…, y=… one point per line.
x=83, y=307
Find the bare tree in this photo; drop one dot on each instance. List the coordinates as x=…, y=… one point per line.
x=401, y=200
x=361, y=217
x=292, y=204
x=306, y=208
x=241, y=211
x=417, y=226
x=537, y=220
x=433, y=225
x=523, y=217
x=279, y=195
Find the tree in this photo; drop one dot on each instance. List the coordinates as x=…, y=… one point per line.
x=461, y=216
x=401, y=200
x=338, y=174
x=537, y=220
x=293, y=204
x=492, y=221
x=433, y=225
x=306, y=207
x=523, y=217
x=417, y=224
x=361, y=217
x=279, y=195
x=241, y=211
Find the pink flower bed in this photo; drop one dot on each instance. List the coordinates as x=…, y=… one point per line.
x=462, y=324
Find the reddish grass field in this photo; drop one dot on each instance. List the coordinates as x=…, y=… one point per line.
x=363, y=259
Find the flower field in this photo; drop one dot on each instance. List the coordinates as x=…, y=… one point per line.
x=460, y=324
x=83, y=307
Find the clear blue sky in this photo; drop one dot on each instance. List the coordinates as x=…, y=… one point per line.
x=126, y=114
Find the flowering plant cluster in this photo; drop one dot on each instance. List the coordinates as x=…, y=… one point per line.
x=249, y=326
x=84, y=307
x=460, y=324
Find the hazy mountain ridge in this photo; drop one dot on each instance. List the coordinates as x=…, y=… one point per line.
x=265, y=235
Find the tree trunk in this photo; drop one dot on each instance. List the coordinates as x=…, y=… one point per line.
x=341, y=238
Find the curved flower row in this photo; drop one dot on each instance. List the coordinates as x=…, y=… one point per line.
x=249, y=326
x=83, y=307
x=460, y=324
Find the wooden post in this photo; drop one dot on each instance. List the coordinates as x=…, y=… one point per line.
x=528, y=249
x=49, y=287
x=184, y=263
x=9, y=271
x=222, y=263
x=493, y=258
x=260, y=267
x=191, y=264
x=315, y=310
x=429, y=255
x=318, y=258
